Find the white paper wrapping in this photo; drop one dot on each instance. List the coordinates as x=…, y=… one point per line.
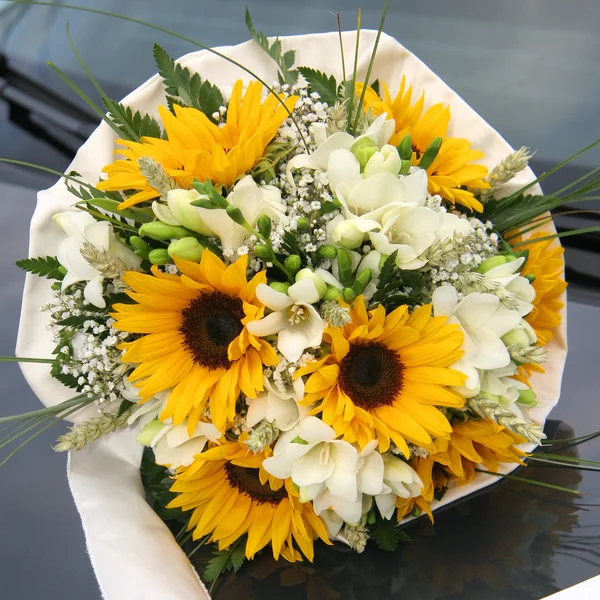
x=133, y=553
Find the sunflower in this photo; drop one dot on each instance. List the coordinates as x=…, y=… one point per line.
x=196, y=148
x=194, y=337
x=452, y=174
x=546, y=263
x=477, y=442
x=386, y=375
x=231, y=495
x=471, y=443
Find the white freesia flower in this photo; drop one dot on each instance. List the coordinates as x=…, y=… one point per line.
x=507, y=275
x=400, y=480
x=276, y=406
x=297, y=324
x=349, y=233
x=173, y=446
x=81, y=228
x=484, y=320
x=318, y=462
x=379, y=132
x=252, y=199
x=410, y=230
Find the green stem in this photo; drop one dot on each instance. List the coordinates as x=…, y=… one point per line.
x=574, y=183
x=40, y=431
x=339, y=24
x=22, y=163
x=200, y=544
x=20, y=359
x=533, y=482
x=371, y=62
x=174, y=34
x=557, y=235
x=81, y=400
x=351, y=98
x=102, y=217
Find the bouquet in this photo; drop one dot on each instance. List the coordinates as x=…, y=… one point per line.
x=316, y=296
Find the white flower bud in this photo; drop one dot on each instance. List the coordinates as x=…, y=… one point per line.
x=179, y=202
x=386, y=160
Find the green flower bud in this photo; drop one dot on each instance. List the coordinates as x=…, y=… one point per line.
x=361, y=281
x=160, y=256
x=328, y=206
x=204, y=203
x=530, y=278
x=510, y=257
x=316, y=279
x=363, y=149
x=62, y=270
x=303, y=224
x=405, y=147
x=137, y=243
x=326, y=251
x=147, y=434
x=56, y=286
x=345, y=266
x=348, y=295
x=280, y=286
x=332, y=293
x=263, y=224
x=517, y=336
x=263, y=252
x=188, y=248
x=235, y=214
x=431, y=153
x=491, y=263
x=162, y=232
x=405, y=168
x=527, y=398
x=371, y=517
x=293, y=263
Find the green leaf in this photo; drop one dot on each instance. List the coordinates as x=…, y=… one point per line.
x=238, y=556
x=75, y=321
x=387, y=534
x=319, y=82
x=124, y=406
x=128, y=121
x=284, y=62
x=375, y=86
x=48, y=267
x=220, y=562
x=139, y=215
x=185, y=86
x=397, y=287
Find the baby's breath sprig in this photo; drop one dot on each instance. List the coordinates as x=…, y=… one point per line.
x=89, y=431
x=491, y=410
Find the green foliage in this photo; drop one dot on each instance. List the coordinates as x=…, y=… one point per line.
x=128, y=121
x=397, y=286
x=325, y=86
x=124, y=407
x=375, y=86
x=184, y=88
x=139, y=215
x=284, y=61
x=230, y=559
x=157, y=485
x=387, y=534
x=48, y=267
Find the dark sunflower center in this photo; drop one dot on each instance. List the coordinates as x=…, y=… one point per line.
x=248, y=482
x=371, y=375
x=209, y=324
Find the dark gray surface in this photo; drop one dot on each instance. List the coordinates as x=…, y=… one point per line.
x=528, y=66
